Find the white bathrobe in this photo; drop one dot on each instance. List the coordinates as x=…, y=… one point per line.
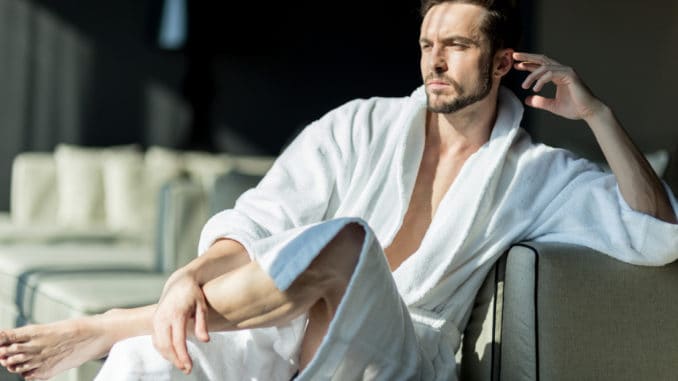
x=359, y=164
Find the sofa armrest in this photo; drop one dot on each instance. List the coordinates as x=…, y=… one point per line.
x=569, y=312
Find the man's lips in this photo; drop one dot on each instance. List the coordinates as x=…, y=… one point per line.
x=437, y=85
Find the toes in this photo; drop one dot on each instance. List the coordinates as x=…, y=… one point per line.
x=22, y=335
x=22, y=368
x=17, y=359
x=15, y=348
x=8, y=338
x=30, y=375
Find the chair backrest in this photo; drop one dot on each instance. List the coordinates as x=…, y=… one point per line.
x=228, y=187
x=565, y=312
x=184, y=207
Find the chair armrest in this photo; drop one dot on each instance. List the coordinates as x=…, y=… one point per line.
x=570, y=312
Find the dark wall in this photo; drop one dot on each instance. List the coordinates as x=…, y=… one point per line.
x=627, y=53
x=260, y=70
x=126, y=60
x=276, y=67
x=122, y=64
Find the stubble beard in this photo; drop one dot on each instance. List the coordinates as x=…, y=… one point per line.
x=483, y=88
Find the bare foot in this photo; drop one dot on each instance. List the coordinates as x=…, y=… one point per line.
x=42, y=351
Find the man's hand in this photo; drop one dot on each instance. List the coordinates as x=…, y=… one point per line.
x=638, y=184
x=573, y=99
x=181, y=302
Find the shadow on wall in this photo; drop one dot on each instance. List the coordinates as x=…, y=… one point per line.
x=46, y=67
x=168, y=116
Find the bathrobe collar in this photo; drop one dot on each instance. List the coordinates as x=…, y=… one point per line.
x=461, y=207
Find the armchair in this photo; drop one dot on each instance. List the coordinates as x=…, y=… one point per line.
x=562, y=312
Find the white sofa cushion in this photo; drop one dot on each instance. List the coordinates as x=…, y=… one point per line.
x=33, y=192
x=80, y=186
x=128, y=204
x=80, y=183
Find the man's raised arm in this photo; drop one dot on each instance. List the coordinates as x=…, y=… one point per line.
x=639, y=185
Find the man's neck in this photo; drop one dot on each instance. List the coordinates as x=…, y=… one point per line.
x=465, y=130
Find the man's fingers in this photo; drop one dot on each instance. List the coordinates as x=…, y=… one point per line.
x=179, y=345
x=540, y=102
x=526, y=66
x=535, y=75
x=162, y=339
x=201, y=323
x=533, y=58
x=543, y=80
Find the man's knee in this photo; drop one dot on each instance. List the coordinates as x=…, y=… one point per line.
x=337, y=261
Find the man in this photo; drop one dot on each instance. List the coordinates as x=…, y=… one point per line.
x=442, y=181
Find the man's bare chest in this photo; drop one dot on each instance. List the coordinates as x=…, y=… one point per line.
x=436, y=175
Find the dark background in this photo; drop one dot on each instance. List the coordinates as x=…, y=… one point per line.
x=262, y=69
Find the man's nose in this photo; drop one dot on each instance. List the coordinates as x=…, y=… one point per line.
x=438, y=62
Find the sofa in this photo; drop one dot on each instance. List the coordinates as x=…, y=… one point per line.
x=95, y=229
x=556, y=312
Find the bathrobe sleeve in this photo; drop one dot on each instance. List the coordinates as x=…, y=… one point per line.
x=302, y=186
x=585, y=207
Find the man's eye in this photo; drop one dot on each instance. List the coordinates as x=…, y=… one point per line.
x=425, y=47
x=459, y=46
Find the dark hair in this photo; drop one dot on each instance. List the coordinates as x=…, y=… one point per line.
x=501, y=26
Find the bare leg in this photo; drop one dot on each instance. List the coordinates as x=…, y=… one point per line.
x=247, y=298
x=341, y=255
x=42, y=351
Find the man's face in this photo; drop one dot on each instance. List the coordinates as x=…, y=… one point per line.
x=455, y=57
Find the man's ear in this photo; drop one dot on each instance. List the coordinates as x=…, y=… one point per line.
x=503, y=62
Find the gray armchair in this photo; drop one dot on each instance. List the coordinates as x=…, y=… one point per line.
x=563, y=312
